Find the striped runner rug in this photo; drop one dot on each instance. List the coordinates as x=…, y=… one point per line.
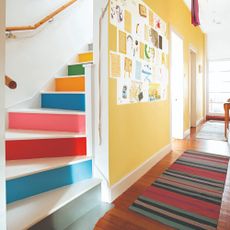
x=188, y=194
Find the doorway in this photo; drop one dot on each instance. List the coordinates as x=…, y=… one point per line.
x=192, y=83
x=177, y=86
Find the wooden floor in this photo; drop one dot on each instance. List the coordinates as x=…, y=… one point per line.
x=120, y=218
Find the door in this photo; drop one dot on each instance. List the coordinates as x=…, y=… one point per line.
x=193, y=88
x=177, y=86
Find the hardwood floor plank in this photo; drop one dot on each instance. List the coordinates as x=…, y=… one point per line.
x=121, y=218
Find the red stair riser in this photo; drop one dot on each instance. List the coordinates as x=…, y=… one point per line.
x=48, y=122
x=42, y=148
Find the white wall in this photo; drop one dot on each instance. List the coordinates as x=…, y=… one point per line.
x=34, y=60
x=218, y=44
x=101, y=150
x=2, y=114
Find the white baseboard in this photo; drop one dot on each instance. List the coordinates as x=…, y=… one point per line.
x=127, y=181
x=187, y=133
x=199, y=121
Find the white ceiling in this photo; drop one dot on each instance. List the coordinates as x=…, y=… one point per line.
x=214, y=15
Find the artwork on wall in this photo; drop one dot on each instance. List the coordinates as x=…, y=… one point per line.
x=140, y=63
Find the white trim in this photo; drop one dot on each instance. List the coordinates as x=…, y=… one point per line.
x=47, y=111
x=89, y=107
x=127, y=181
x=192, y=85
x=62, y=92
x=82, y=63
x=17, y=134
x=187, y=133
x=198, y=122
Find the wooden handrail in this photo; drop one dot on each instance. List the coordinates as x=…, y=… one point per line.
x=10, y=82
x=42, y=21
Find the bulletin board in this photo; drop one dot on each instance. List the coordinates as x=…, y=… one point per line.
x=139, y=64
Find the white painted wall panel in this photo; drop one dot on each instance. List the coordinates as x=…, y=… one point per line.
x=33, y=61
x=218, y=45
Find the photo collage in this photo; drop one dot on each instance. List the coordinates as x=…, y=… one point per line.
x=140, y=62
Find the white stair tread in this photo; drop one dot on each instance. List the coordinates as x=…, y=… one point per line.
x=25, y=213
x=20, y=168
x=62, y=92
x=86, y=52
x=72, y=76
x=82, y=63
x=15, y=134
x=47, y=111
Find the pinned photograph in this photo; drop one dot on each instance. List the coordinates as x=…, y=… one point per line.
x=142, y=51
x=128, y=66
x=138, y=70
x=160, y=42
x=151, y=18
x=147, y=33
x=154, y=91
x=128, y=21
x=123, y=91
x=138, y=92
x=117, y=14
x=142, y=10
x=115, y=65
x=130, y=46
x=122, y=42
x=136, y=50
x=154, y=38
x=147, y=73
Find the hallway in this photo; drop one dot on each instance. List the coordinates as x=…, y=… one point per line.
x=120, y=218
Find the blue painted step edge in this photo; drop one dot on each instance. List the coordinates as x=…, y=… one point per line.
x=63, y=101
x=23, y=187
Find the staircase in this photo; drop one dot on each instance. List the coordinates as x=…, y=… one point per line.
x=49, y=171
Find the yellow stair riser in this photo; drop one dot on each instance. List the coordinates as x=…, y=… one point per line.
x=85, y=57
x=70, y=84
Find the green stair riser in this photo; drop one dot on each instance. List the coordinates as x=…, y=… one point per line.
x=77, y=69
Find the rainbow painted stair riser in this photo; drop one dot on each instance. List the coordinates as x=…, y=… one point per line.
x=85, y=57
x=23, y=187
x=42, y=148
x=77, y=69
x=63, y=101
x=70, y=84
x=47, y=122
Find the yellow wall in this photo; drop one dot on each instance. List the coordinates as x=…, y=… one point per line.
x=137, y=131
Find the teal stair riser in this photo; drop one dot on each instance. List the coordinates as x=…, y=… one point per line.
x=23, y=187
x=77, y=69
x=63, y=101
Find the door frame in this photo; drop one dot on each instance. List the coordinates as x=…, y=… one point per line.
x=173, y=30
x=193, y=50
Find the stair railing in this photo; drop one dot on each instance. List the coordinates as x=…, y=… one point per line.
x=10, y=83
x=44, y=20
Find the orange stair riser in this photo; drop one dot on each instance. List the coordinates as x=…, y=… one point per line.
x=70, y=84
x=85, y=57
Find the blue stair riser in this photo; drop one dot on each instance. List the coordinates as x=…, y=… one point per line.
x=63, y=101
x=23, y=187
